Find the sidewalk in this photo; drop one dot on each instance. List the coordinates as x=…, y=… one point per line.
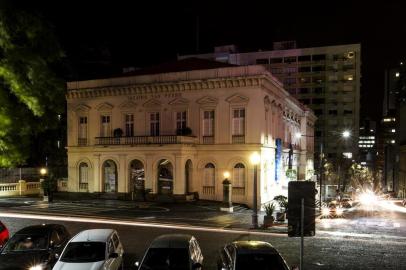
x=197, y=213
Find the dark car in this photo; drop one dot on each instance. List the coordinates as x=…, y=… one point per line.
x=4, y=235
x=34, y=247
x=242, y=255
x=173, y=251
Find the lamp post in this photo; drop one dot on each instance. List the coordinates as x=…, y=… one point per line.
x=298, y=135
x=227, y=204
x=44, y=183
x=255, y=159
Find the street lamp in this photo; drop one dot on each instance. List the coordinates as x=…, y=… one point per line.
x=255, y=159
x=43, y=172
x=346, y=134
x=298, y=135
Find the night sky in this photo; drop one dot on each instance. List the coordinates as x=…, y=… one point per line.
x=101, y=36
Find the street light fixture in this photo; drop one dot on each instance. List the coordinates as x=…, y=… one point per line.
x=43, y=171
x=226, y=175
x=346, y=134
x=255, y=160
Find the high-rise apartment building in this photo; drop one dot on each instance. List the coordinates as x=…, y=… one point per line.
x=393, y=131
x=326, y=79
x=367, y=143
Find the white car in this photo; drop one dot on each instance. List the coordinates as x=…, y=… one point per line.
x=93, y=250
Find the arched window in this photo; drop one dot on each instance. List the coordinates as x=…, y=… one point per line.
x=137, y=175
x=83, y=173
x=110, y=176
x=239, y=175
x=209, y=175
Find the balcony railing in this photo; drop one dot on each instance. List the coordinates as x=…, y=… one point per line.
x=238, y=139
x=209, y=190
x=82, y=141
x=83, y=186
x=208, y=139
x=163, y=139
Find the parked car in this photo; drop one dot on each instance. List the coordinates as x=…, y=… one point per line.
x=172, y=251
x=34, y=248
x=346, y=203
x=242, y=255
x=4, y=235
x=92, y=249
x=332, y=210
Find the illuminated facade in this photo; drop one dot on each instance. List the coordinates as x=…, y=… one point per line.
x=176, y=133
x=326, y=79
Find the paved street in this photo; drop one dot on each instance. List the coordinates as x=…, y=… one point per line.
x=363, y=240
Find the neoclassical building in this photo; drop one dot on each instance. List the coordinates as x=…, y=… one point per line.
x=177, y=128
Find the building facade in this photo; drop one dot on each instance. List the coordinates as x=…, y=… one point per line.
x=367, y=143
x=176, y=133
x=326, y=79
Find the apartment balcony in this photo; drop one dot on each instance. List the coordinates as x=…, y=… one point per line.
x=140, y=140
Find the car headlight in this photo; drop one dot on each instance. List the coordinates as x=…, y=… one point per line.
x=40, y=266
x=325, y=211
x=339, y=211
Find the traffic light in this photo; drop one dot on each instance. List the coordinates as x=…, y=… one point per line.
x=296, y=191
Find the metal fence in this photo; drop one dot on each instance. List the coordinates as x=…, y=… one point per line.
x=12, y=175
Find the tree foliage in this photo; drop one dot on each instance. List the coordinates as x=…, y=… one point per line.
x=31, y=94
x=363, y=178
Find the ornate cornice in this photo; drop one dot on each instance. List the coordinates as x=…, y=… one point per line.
x=180, y=86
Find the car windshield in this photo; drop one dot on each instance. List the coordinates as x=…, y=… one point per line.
x=25, y=242
x=82, y=252
x=166, y=258
x=260, y=261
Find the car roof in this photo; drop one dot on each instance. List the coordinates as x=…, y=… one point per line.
x=172, y=241
x=94, y=235
x=244, y=247
x=39, y=229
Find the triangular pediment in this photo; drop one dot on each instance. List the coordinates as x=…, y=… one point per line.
x=237, y=98
x=128, y=105
x=179, y=101
x=82, y=108
x=104, y=107
x=207, y=100
x=152, y=103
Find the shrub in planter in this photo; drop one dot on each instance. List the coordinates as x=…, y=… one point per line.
x=268, y=218
x=118, y=132
x=184, y=131
x=283, y=205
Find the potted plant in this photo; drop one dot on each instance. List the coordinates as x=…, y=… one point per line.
x=187, y=131
x=283, y=206
x=118, y=132
x=268, y=218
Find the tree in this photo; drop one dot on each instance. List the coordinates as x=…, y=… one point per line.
x=31, y=94
x=362, y=178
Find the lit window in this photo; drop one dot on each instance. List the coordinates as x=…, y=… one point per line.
x=129, y=125
x=238, y=122
x=347, y=154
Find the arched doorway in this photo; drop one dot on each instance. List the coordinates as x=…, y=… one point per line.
x=188, y=176
x=137, y=178
x=110, y=181
x=165, y=177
